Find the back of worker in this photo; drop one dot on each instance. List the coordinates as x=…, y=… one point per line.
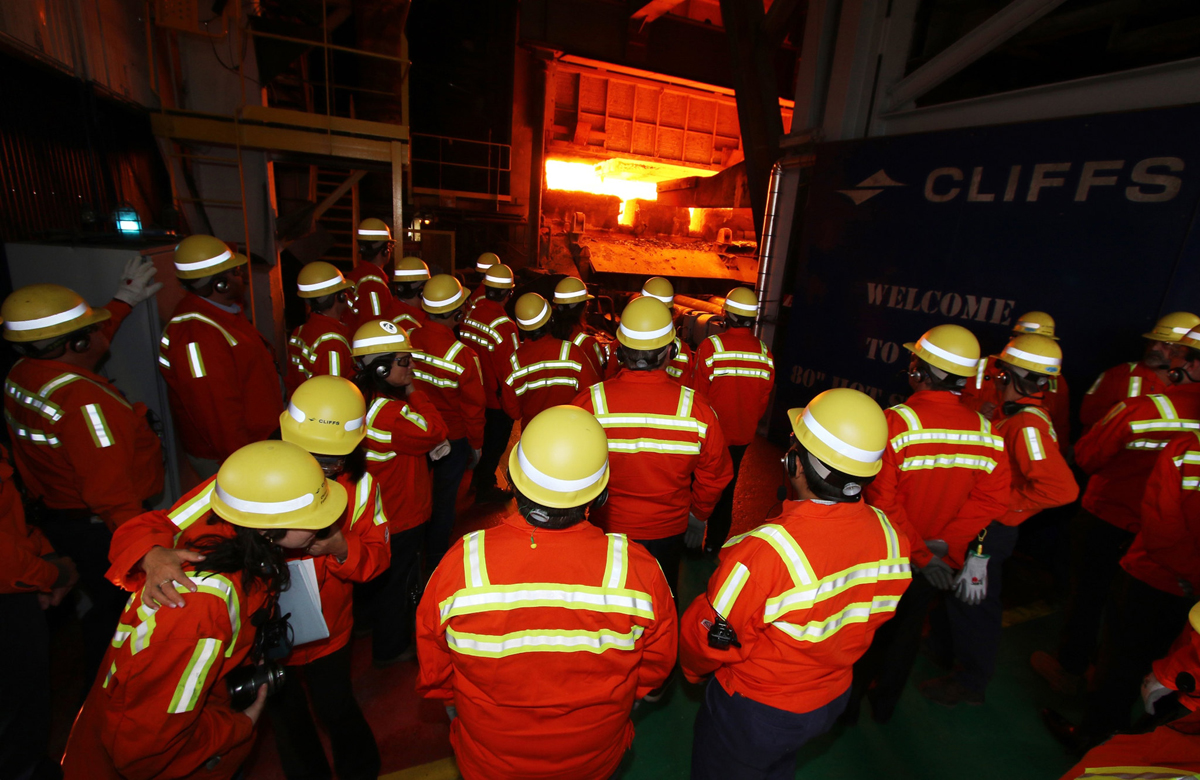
x=544, y=371
x=570, y=303
x=408, y=279
x=682, y=367
x=541, y=632
x=321, y=346
x=372, y=294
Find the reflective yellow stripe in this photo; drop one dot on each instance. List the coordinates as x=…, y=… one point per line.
x=783, y=543
x=195, y=361
x=1145, y=444
x=806, y=596
x=1044, y=416
x=362, y=496
x=662, y=422
x=543, y=365
x=380, y=457
x=654, y=445
x=599, y=402
x=1191, y=483
x=34, y=401
x=414, y=418
x=97, y=425
x=946, y=436
x=1137, y=773
x=191, y=685
x=541, y=641
x=34, y=435
x=1147, y=426
x=550, y=381
x=947, y=462
x=141, y=635
x=820, y=630
x=729, y=591
x=186, y=514
x=200, y=318
x=752, y=373
x=434, y=380
x=220, y=586
x=1033, y=443
x=889, y=533
x=909, y=416
x=616, y=567
x=474, y=564
x=1135, y=386
x=504, y=598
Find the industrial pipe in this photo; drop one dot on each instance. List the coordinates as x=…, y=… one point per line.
x=711, y=307
x=766, y=244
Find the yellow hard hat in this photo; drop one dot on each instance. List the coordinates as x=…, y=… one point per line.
x=660, y=288
x=318, y=279
x=741, y=302
x=372, y=230
x=378, y=337
x=844, y=429
x=951, y=348
x=1173, y=327
x=571, y=289
x=561, y=460
x=410, y=269
x=498, y=277
x=486, y=261
x=443, y=293
x=199, y=256
x=1194, y=617
x=1192, y=339
x=646, y=323
x=1039, y=354
x=275, y=484
x=1036, y=322
x=43, y=311
x=326, y=416
x=532, y=311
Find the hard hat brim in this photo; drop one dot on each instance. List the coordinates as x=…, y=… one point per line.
x=312, y=518
x=345, y=284
x=552, y=498
x=826, y=454
x=585, y=297
x=292, y=432
x=1162, y=338
x=937, y=362
x=50, y=331
x=232, y=262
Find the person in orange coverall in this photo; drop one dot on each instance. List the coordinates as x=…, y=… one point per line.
x=1149, y=375
x=669, y=458
x=408, y=279
x=372, y=295
x=546, y=371
x=1041, y=479
x=794, y=603
x=321, y=346
x=32, y=577
x=221, y=376
x=570, y=305
x=1156, y=588
x=160, y=707
x=326, y=417
x=945, y=479
x=541, y=633
x=1119, y=452
x=404, y=431
x=682, y=367
x=87, y=455
x=736, y=372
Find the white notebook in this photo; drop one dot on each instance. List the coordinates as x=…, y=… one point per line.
x=303, y=600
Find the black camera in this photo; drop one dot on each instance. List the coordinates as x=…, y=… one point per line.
x=243, y=683
x=272, y=643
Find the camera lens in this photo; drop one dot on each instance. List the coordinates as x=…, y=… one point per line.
x=243, y=683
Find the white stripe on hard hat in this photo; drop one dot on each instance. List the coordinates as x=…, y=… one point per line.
x=375, y=341
x=209, y=263
x=565, y=295
x=48, y=320
x=662, y=298
x=946, y=354
x=355, y=424
x=374, y=232
x=1023, y=355
x=321, y=285
x=265, y=507
x=456, y=296
x=501, y=279
x=647, y=334
x=410, y=272
x=480, y=266
x=553, y=483
x=297, y=414
x=742, y=306
x=535, y=319
x=1028, y=325
x=849, y=450
x=1184, y=331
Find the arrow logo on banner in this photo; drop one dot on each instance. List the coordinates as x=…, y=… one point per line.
x=870, y=187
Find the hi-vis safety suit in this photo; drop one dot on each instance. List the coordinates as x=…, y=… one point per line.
x=221, y=374
x=1041, y=477
x=372, y=296
x=319, y=347
x=983, y=390
x=805, y=594
x=78, y=442
x=364, y=526
x=736, y=372
x=1166, y=551
x=596, y=354
x=493, y=336
x=1128, y=380
x=159, y=707
x=682, y=367
x=405, y=315
x=544, y=373
x=400, y=434
x=543, y=640
x=450, y=373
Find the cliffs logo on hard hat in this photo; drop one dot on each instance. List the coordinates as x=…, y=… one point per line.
x=329, y=422
x=1150, y=180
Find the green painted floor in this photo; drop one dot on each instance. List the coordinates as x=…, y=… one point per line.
x=1004, y=738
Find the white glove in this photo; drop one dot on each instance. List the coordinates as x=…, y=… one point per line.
x=137, y=282
x=451, y=711
x=694, y=537
x=970, y=586
x=475, y=456
x=938, y=573
x=440, y=451
x=1152, y=691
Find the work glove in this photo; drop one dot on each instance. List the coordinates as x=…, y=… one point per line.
x=694, y=537
x=970, y=587
x=137, y=282
x=938, y=573
x=440, y=451
x=938, y=547
x=1152, y=691
x=475, y=457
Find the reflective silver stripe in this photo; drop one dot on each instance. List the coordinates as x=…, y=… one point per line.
x=207, y=321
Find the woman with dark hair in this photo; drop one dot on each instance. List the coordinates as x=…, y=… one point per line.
x=404, y=430
x=327, y=417
x=160, y=706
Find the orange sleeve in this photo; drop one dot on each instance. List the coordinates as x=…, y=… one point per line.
x=435, y=676
x=1048, y=481
x=884, y=494
x=22, y=568
x=118, y=310
x=368, y=552
x=661, y=643
x=987, y=501
x=702, y=375
x=508, y=397
x=1184, y=656
x=471, y=396
x=332, y=357
x=714, y=470
x=739, y=586
x=588, y=375
x=101, y=445
x=1106, y=392
x=1170, y=532
x=415, y=424
x=130, y=543
x=1103, y=440
x=208, y=387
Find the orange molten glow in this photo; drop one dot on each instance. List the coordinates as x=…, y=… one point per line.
x=582, y=177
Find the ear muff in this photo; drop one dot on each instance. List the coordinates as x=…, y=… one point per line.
x=601, y=499
x=342, y=297
x=674, y=350
x=81, y=344
x=383, y=368
x=221, y=285
x=791, y=464
x=917, y=375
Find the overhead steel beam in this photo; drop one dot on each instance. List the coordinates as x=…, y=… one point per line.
x=1006, y=23
x=654, y=9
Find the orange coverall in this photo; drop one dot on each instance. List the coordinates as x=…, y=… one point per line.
x=319, y=347
x=805, y=594
x=159, y=706
x=493, y=336
x=405, y=315
x=77, y=441
x=372, y=296
x=1166, y=551
x=1041, y=477
x=450, y=373
x=1128, y=380
x=596, y=354
x=985, y=391
x=543, y=640
x=400, y=434
x=544, y=373
x=683, y=367
x=736, y=372
x=944, y=474
x=666, y=451
x=1119, y=451
x=1169, y=752
x=223, y=382
x=22, y=568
